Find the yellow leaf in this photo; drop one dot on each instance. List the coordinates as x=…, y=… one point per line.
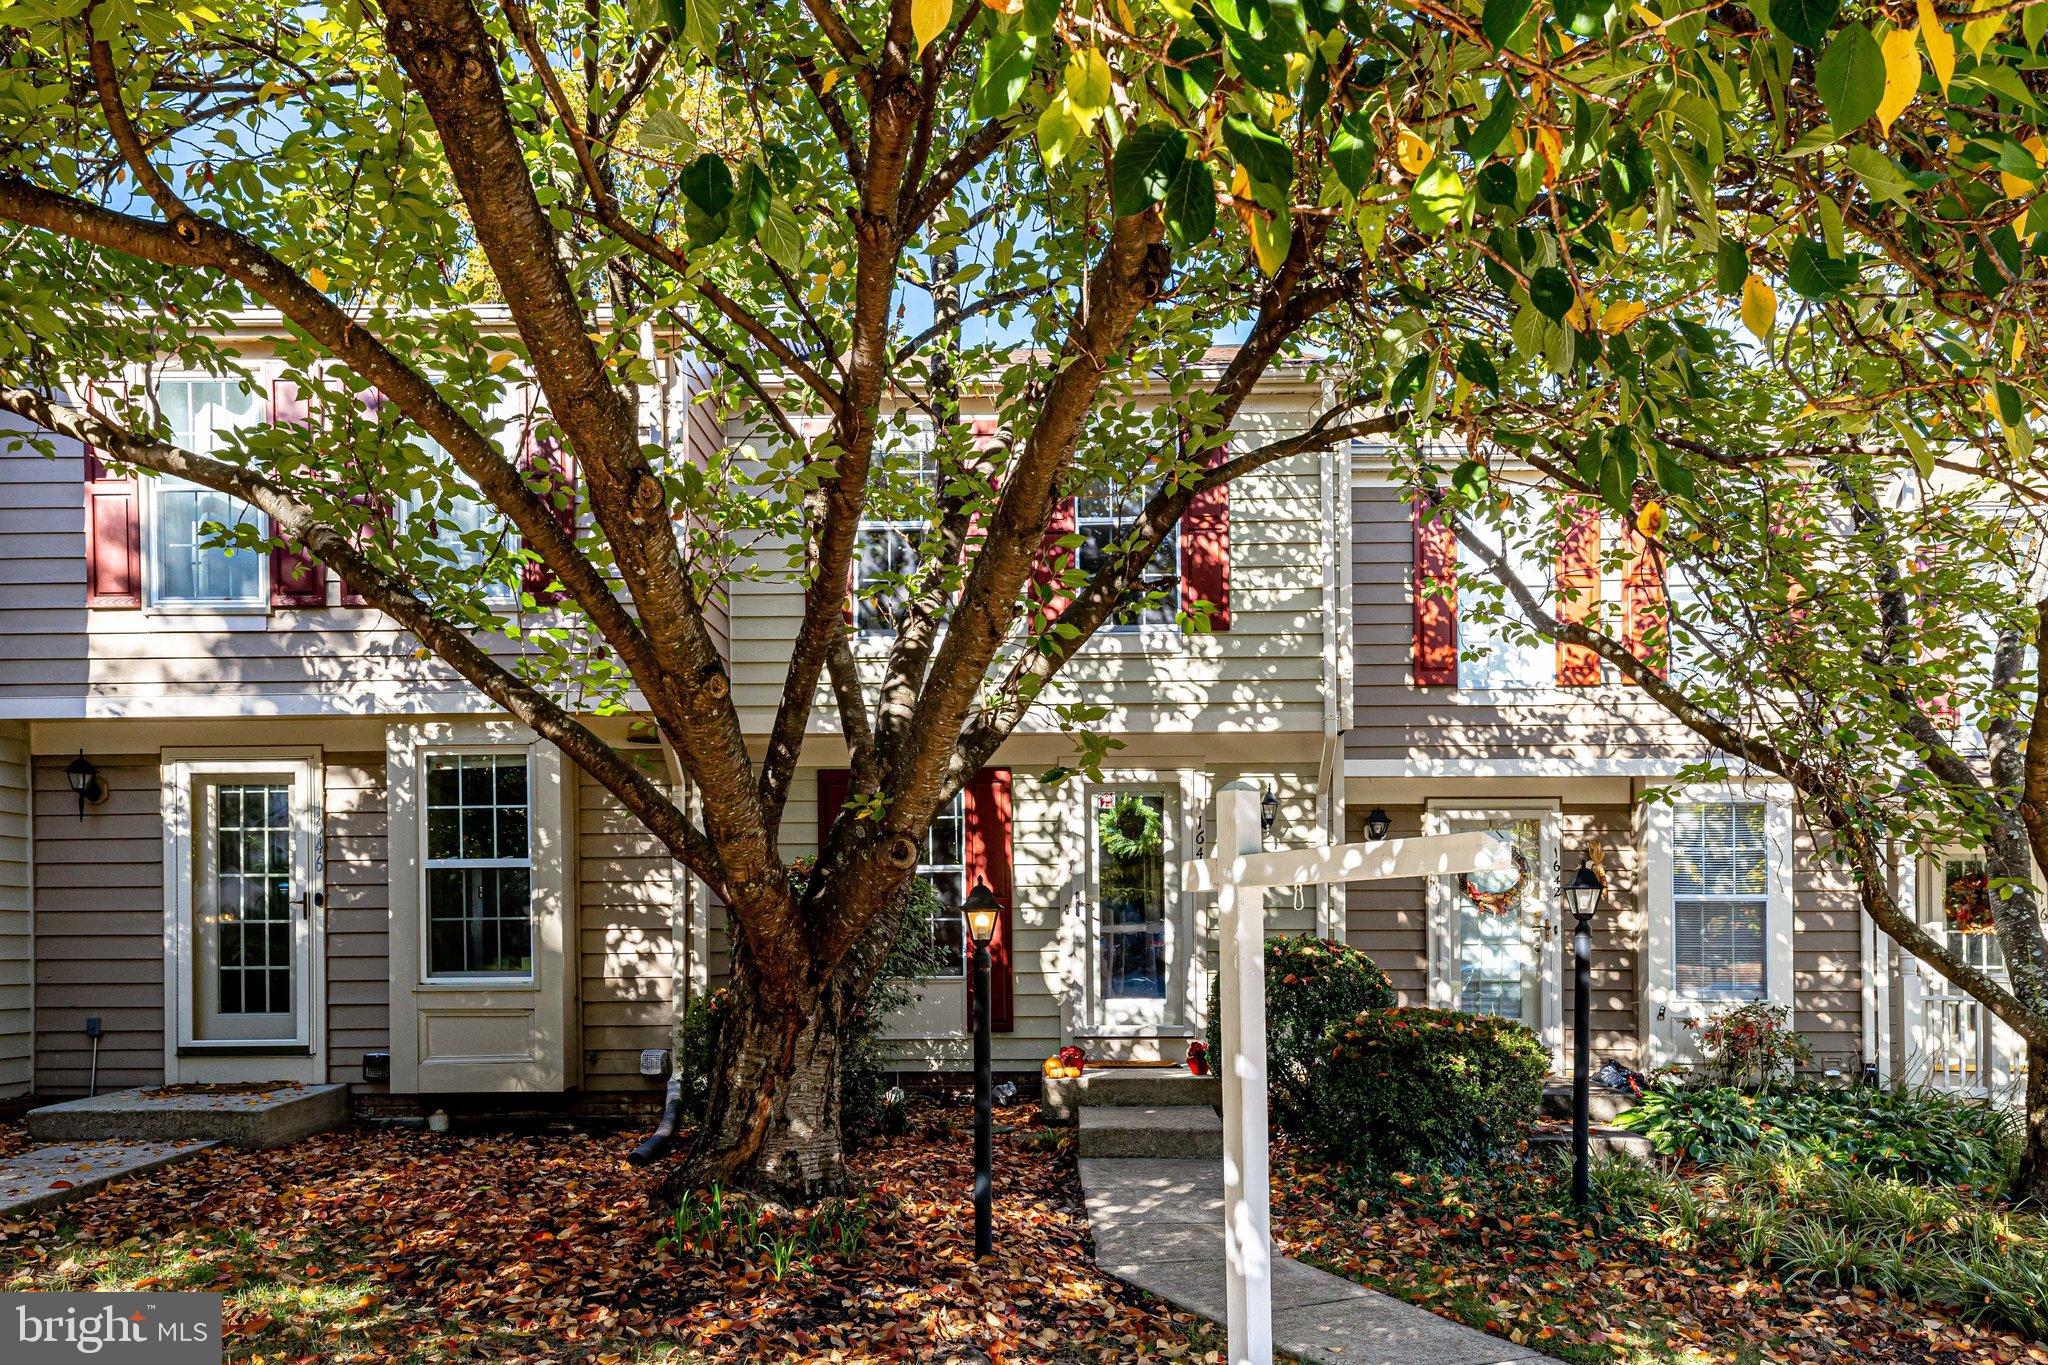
x=1579, y=317
x=1978, y=33
x=500, y=361
x=928, y=19
x=2018, y=186
x=1759, y=307
x=831, y=77
x=317, y=278
x=1413, y=152
x=1649, y=16
x=1650, y=520
x=1901, y=75
x=1619, y=315
x=1087, y=84
x=1271, y=233
x=1941, y=48
x=1550, y=146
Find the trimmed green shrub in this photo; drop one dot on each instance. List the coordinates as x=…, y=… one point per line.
x=1311, y=983
x=1917, y=1135
x=1421, y=1089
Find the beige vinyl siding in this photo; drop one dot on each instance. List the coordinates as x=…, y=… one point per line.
x=42, y=570
x=1827, y=956
x=1394, y=720
x=358, y=915
x=16, y=952
x=1265, y=674
x=627, y=958
x=99, y=925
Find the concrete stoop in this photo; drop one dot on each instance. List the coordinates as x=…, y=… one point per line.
x=1604, y=1105
x=49, y=1176
x=1127, y=1087
x=245, y=1118
x=1170, y=1130
x=1600, y=1141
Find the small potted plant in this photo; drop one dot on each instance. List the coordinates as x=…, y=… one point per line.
x=1198, y=1059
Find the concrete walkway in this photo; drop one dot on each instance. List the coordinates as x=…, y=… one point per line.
x=47, y=1176
x=1158, y=1224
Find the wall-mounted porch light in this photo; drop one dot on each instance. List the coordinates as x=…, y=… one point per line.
x=86, y=782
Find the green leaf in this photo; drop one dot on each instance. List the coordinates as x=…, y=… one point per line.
x=1058, y=130
x=2012, y=409
x=1498, y=185
x=1672, y=475
x=750, y=202
x=1438, y=197
x=1550, y=289
x=1476, y=366
x=1814, y=274
x=1731, y=267
x=1352, y=152
x=1882, y=179
x=1190, y=204
x=1005, y=71
x=1191, y=74
x=1806, y=22
x=1486, y=136
x=695, y=23
x=1145, y=165
x=707, y=184
x=1850, y=78
x=665, y=132
x=1625, y=174
x=782, y=237
x=1500, y=20
x=1266, y=159
x=1585, y=18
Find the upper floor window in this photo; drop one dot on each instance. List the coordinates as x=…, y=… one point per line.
x=1720, y=898
x=468, y=530
x=187, y=563
x=479, y=865
x=889, y=536
x=1497, y=649
x=1103, y=519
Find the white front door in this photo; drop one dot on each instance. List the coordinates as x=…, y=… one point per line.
x=1138, y=940
x=245, y=914
x=1954, y=1042
x=1494, y=935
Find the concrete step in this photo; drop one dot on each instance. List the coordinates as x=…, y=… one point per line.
x=1599, y=1141
x=1127, y=1087
x=268, y=1117
x=1605, y=1105
x=47, y=1176
x=1170, y=1130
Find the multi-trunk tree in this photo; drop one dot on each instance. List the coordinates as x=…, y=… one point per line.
x=852, y=216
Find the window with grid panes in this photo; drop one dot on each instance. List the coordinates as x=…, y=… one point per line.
x=479, y=865
x=1720, y=897
x=1103, y=520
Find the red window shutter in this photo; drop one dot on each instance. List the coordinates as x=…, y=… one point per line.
x=833, y=786
x=555, y=468
x=113, y=537
x=1578, y=589
x=1435, y=591
x=296, y=578
x=1205, y=548
x=1645, y=624
x=1053, y=561
x=987, y=809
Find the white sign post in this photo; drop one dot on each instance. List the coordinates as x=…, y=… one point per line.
x=1240, y=864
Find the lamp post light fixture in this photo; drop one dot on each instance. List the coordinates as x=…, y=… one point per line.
x=1269, y=812
x=1582, y=896
x=981, y=910
x=86, y=782
x=1377, y=824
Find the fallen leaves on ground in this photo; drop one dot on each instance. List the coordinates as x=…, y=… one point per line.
x=375, y=1244
x=1499, y=1251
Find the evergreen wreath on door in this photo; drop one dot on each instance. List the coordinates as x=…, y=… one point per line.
x=1130, y=827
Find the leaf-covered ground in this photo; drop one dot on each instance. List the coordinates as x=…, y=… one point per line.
x=1500, y=1252
x=376, y=1244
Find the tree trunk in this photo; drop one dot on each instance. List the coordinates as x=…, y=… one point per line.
x=772, y=1119
x=2032, y=1186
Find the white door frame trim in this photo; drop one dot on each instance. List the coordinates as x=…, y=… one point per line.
x=185, y=1056
x=1549, y=817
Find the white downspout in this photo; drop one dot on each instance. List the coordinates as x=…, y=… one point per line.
x=1329, y=769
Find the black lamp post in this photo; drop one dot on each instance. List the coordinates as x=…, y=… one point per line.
x=1377, y=824
x=1582, y=897
x=980, y=910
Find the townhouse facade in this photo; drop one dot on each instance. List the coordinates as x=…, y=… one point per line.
x=246, y=833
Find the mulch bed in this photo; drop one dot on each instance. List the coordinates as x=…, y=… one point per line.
x=1499, y=1251
x=373, y=1244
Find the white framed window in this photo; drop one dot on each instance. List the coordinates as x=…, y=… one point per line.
x=478, y=869
x=469, y=530
x=1102, y=519
x=184, y=564
x=886, y=543
x=944, y=865
x=1497, y=651
x=1720, y=899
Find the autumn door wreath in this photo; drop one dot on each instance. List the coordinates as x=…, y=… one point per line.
x=1966, y=903
x=1500, y=902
